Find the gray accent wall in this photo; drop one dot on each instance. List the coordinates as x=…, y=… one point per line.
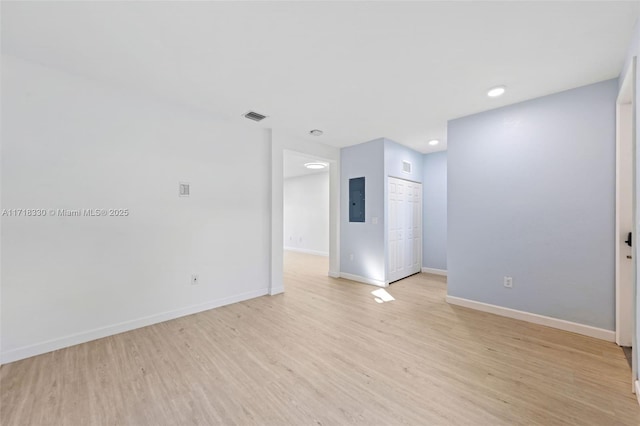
x=363, y=240
x=375, y=161
x=394, y=155
x=531, y=194
x=434, y=211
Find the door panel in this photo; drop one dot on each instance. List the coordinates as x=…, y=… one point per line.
x=404, y=228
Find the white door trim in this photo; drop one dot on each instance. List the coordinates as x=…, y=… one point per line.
x=279, y=142
x=626, y=113
x=624, y=217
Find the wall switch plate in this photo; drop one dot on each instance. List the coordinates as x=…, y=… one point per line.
x=351, y=257
x=374, y=220
x=184, y=189
x=508, y=282
x=195, y=279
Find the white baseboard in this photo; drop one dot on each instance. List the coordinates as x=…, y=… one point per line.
x=276, y=290
x=364, y=280
x=110, y=330
x=308, y=251
x=435, y=271
x=333, y=274
x=638, y=391
x=586, y=330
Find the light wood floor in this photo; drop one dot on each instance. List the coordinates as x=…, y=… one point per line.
x=325, y=353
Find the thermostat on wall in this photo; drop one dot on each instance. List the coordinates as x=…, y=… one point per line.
x=184, y=189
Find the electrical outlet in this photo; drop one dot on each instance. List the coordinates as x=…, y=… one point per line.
x=195, y=279
x=508, y=282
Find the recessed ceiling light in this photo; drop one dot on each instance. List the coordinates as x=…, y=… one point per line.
x=315, y=166
x=434, y=142
x=494, y=92
x=316, y=132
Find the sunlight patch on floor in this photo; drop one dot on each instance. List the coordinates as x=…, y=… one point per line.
x=382, y=296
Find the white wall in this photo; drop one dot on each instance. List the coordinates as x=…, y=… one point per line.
x=70, y=143
x=306, y=213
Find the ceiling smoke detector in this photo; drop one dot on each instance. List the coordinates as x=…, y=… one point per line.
x=316, y=132
x=252, y=115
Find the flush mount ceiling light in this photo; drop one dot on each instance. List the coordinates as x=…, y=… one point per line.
x=494, y=92
x=315, y=165
x=434, y=142
x=316, y=132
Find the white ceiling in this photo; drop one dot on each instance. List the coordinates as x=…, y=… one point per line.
x=356, y=70
x=294, y=164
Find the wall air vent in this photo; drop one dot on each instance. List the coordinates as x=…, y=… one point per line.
x=252, y=115
x=406, y=167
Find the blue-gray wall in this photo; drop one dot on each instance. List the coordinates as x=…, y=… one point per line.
x=395, y=154
x=531, y=194
x=364, y=240
x=434, y=211
x=375, y=161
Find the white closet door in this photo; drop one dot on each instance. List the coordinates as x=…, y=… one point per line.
x=395, y=232
x=416, y=265
x=404, y=228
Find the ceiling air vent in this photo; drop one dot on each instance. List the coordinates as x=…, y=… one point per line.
x=252, y=115
x=406, y=167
